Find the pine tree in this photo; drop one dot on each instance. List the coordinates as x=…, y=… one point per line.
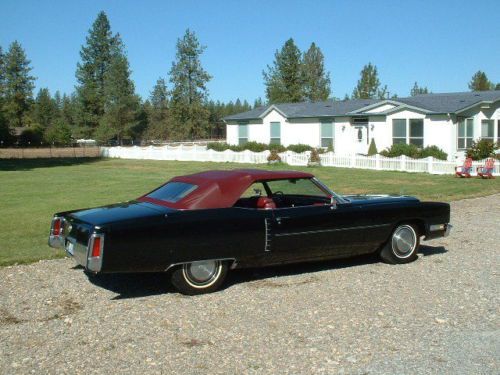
x=316, y=79
x=258, y=102
x=96, y=57
x=480, y=82
x=283, y=80
x=44, y=109
x=157, y=111
x=189, y=93
x=18, y=85
x=121, y=104
x=417, y=90
x=2, y=77
x=368, y=85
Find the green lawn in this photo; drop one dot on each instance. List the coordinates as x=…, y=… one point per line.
x=32, y=190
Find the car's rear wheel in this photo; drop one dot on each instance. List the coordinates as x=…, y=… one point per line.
x=403, y=245
x=199, y=277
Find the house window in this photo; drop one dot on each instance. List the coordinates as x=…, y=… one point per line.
x=417, y=132
x=398, y=131
x=275, y=133
x=242, y=134
x=465, y=133
x=487, y=129
x=327, y=134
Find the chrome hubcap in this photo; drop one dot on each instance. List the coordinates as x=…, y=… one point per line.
x=202, y=273
x=404, y=241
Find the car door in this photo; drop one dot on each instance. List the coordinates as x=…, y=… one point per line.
x=318, y=232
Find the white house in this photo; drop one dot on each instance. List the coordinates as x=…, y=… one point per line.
x=450, y=121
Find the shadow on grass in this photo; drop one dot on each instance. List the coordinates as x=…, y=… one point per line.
x=30, y=164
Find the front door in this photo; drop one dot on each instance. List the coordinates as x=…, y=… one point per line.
x=361, y=139
x=318, y=232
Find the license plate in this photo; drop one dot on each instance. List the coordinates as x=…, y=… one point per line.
x=70, y=247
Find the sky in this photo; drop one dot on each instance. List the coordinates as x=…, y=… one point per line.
x=440, y=44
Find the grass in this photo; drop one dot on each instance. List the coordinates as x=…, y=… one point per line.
x=31, y=191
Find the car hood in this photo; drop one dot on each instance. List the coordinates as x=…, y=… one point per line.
x=113, y=213
x=377, y=199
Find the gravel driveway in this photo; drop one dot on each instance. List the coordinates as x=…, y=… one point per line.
x=436, y=315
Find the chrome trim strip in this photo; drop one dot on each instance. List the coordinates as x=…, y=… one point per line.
x=331, y=230
x=267, y=234
x=233, y=265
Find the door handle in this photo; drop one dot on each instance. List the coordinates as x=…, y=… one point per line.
x=280, y=218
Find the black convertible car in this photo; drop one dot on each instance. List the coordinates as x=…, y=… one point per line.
x=199, y=226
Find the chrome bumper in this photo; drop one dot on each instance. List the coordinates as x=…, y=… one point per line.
x=448, y=230
x=438, y=230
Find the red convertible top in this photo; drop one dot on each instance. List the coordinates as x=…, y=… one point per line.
x=220, y=189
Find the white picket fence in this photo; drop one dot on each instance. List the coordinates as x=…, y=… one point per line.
x=329, y=159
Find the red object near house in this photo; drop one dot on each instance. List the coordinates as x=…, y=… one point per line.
x=486, y=170
x=464, y=170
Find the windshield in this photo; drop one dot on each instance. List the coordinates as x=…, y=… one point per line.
x=172, y=191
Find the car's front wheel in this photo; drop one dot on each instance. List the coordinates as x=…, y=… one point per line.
x=199, y=277
x=403, y=245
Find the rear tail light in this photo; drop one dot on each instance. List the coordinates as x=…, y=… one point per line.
x=56, y=226
x=96, y=247
x=56, y=238
x=95, y=252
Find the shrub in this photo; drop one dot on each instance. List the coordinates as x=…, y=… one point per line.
x=372, y=150
x=255, y=146
x=273, y=157
x=435, y=152
x=314, y=158
x=218, y=146
x=277, y=148
x=299, y=148
x=399, y=149
x=483, y=149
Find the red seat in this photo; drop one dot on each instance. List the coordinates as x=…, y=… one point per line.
x=266, y=203
x=486, y=170
x=464, y=170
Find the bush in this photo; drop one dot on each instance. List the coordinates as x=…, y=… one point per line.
x=372, y=150
x=399, y=149
x=273, y=157
x=277, y=148
x=435, y=152
x=255, y=146
x=314, y=158
x=218, y=146
x=483, y=149
x=299, y=148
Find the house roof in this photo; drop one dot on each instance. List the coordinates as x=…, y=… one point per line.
x=220, y=189
x=427, y=103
